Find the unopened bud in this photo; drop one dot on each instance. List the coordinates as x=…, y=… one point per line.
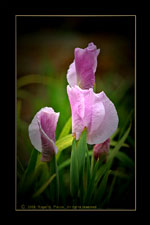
x=101, y=149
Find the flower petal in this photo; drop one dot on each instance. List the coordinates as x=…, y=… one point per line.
x=48, y=146
x=86, y=63
x=72, y=75
x=48, y=120
x=77, y=106
x=42, y=130
x=109, y=124
x=93, y=111
x=101, y=149
x=34, y=134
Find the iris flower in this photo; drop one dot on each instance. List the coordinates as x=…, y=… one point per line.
x=42, y=132
x=96, y=112
x=82, y=71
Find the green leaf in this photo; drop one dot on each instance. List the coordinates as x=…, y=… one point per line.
x=20, y=165
x=74, y=176
x=114, y=134
x=64, y=164
x=63, y=143
x=44, y=186
x=65, y=131
x=100, y=173
x=119, y=145
x=111, y=188
x=120, y=174
x=125, y=159
x=127, y=121
x=92, y=162
x=54, y=187
x=81, y=150
x=32, y=162
x=34, y=79
x=28, y=176
x=88, y=171
x=92, y=183
x=102, y=187
x=114, y=143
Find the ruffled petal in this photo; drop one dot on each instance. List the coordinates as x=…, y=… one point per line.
x=109, y=124
x=93, y=111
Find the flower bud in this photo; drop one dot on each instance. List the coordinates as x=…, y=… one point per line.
x=101, y=149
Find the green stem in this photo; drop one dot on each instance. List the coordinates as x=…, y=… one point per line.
x=54, y=186
x=92, y=163
x=57, y=181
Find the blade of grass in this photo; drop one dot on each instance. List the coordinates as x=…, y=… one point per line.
x=88, y=171
x=74, y=176
x=120, y=174
x=44, y=186
x=27, y=178
x=64, y=164
x=65, y=131
x=111, y=188
x=127, y=121
x=114, y=134
x=32, y=162
x=119, y=145
x=125, y=159
x=102, y=188
x=91, y=187
x=63, y=143
x=20, y=165
x=113, y=143
x=81, y=150
x=54, y=187
x=67, y=162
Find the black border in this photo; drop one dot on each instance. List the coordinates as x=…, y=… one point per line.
x=9, y=37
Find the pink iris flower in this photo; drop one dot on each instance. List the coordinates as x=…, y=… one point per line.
x=101, y=149
x=42, y=132
x=82, y=71
x=96, y=112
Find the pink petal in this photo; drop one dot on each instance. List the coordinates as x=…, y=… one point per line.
x=86, y=63
x=42, y=132
x=34, y=134
x=82, y=71
x=48, y=146
x=76, y=99
x=84, y=112
x=100, y=149
x=48, y=120
x=71, y=75
x=109, y=124
x=94, y=111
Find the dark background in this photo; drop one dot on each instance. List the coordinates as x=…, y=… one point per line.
x=114, y=28
x=9, y=52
